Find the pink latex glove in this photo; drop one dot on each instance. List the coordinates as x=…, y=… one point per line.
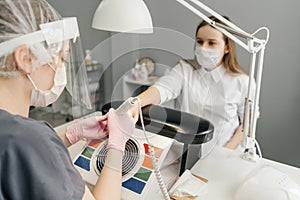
x=89, y=128
x=120, y=128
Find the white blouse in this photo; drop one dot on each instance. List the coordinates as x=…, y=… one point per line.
x=216, y=96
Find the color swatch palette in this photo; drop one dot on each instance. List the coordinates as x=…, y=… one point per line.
x=84, y=159
x=138, y=183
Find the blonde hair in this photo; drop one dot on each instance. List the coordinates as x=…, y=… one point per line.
x=230, y=59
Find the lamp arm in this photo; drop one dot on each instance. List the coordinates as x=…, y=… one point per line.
x=235, y=39
x=258, y=87
x=226, y=30
x=211, y=22
x=218, y=16
x=248, y=107
x=251, y=112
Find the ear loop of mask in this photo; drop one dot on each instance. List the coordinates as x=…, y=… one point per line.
x=29, y=77
x=32, y=82
x=51, y=66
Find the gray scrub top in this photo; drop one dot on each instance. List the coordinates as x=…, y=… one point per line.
x=34, y=162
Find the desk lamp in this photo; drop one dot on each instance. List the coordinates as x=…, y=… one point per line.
x=130, y=16
x=254, y=46
x=114, y=18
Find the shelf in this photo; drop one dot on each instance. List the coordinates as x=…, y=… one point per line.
x=133, y=88
x=151, y=80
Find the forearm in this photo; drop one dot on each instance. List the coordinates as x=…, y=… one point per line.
x=109, y=184
x=150, y=96
x=236, y=139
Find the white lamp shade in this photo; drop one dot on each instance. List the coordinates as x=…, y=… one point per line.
x=130, y=16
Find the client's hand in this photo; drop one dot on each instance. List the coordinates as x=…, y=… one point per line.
x=89, y=128
x=120, y=128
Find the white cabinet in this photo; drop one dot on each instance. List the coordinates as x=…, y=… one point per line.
x=133, y=87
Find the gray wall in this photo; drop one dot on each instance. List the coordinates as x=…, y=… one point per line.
x=84, y=11
x=90, y=38
x=277, y=130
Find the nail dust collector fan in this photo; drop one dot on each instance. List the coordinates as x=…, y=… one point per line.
x=181, y=126
x=163, y=125
x=137, y=170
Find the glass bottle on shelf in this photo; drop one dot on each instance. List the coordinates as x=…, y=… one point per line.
x=144, y=73
x=88, y=60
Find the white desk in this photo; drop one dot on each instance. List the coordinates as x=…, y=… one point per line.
x=226, y=170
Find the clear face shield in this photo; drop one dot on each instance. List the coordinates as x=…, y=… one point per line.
x=57, y=42
x=77, y=80
x=63, y=36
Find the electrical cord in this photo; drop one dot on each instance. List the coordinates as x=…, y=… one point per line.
x=152, y=157
x=267, y=31
x=258, y=148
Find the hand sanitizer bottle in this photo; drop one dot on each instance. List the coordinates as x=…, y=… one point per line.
x=88, y=58
x=144, y=73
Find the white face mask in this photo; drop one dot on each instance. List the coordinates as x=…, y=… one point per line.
x=42, y=98
x=208, y=58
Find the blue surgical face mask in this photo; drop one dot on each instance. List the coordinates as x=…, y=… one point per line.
x=207, y=58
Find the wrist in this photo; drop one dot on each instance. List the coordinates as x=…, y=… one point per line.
x=115, y=147
x=114, y=159
x=72, y=134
